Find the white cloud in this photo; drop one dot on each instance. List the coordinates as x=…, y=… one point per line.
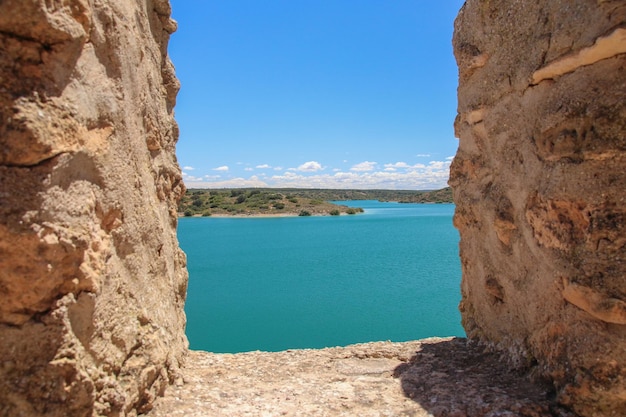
x=231, y=183
x=364, y=166
x=248, y=169
x=438, y=164
x=289, y=174
x=192, y=178
x=397, y=165
x=416, y=177
x=399, y=176
x=403, y=165
x=449, y=158
x=263, y=166
x=222, y=168
x=278, y=168
x=188, y=168
x=310, y=166
x=423, y=155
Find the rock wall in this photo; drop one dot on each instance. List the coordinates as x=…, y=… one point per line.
x=92, y=280
x=540, y=186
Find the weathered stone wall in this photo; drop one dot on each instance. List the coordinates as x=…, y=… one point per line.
x=92, y=281
x=540, y=186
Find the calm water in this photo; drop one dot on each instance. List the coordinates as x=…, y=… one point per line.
x=391, y=273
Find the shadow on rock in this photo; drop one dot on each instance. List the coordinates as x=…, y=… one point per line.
x=459, y=378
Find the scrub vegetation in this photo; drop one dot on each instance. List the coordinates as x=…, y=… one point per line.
x=302, y=202
x=256, y=202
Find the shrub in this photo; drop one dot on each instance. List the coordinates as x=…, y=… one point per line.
x=279, y=206
x=351, y=211
x=304, y=213
x=188, y=213
x=334, y=212
x=206, y=213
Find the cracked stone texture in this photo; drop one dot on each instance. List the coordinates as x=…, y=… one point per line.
x=431, y=377
x=540, y=189
x=92, y=280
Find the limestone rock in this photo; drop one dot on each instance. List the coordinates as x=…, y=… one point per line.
x=432, y=377
x=540, y=186
x=92, y=281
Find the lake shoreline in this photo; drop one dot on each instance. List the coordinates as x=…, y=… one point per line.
x=293, y=202
x=261, y=215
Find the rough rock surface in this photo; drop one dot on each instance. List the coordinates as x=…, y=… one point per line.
x=432, y=377
x=540, y=186
x=92, y=280
x=93, y=283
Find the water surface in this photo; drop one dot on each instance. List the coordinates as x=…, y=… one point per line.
x=391, y=273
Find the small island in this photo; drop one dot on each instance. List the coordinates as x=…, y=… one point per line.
x=245, y=202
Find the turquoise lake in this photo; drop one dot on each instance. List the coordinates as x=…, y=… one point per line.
x=391, y=273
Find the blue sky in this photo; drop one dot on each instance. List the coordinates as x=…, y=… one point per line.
x=315, y=93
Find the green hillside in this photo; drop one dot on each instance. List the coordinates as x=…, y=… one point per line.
x=256, y=202
x=296, y=201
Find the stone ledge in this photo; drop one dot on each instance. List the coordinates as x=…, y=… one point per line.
x=430, y=377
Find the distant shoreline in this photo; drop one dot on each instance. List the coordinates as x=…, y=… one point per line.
x=259, y=215
x=258, y=202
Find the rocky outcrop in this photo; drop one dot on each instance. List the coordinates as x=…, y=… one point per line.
x=92, y=280
x=540, y=186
